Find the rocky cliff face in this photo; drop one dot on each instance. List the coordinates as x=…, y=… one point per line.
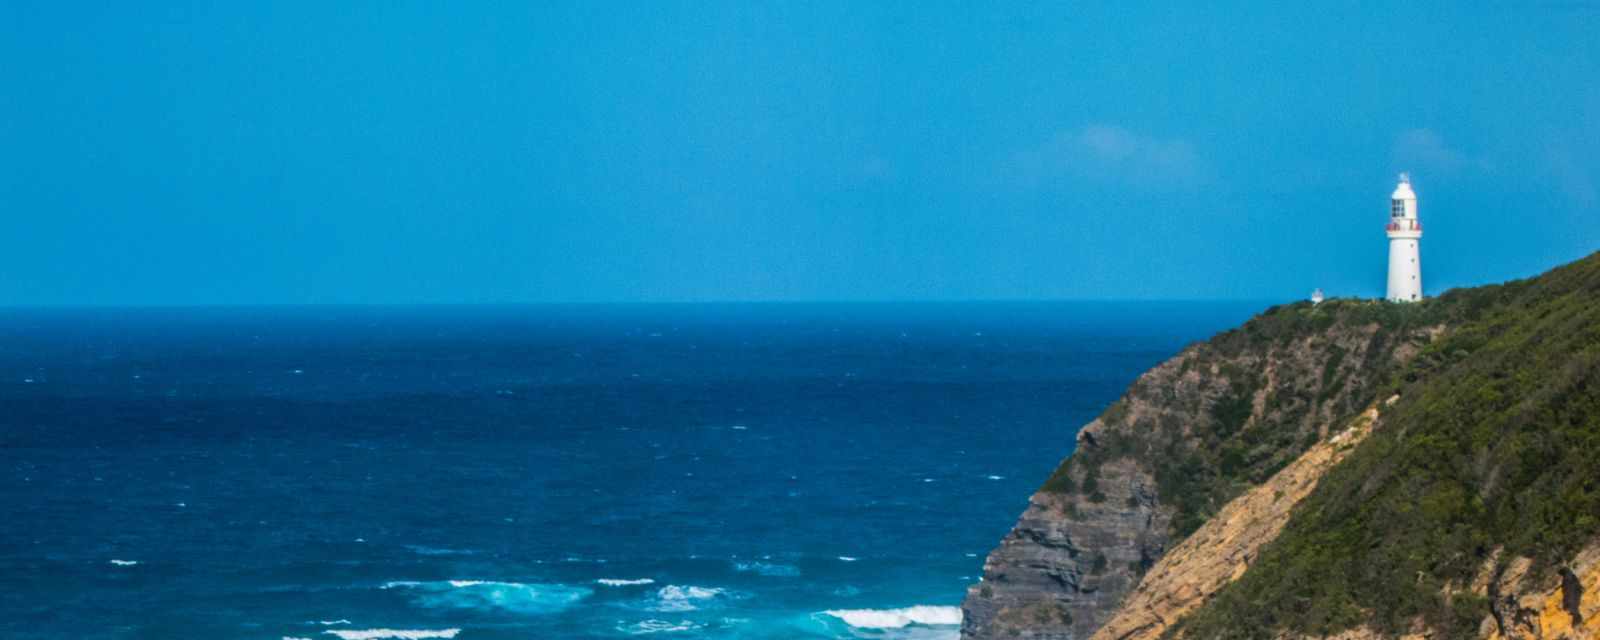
x=1212, y=502
x=1188, y=436
x=1564, y=605
x=1068, y=562
x=1223, y=548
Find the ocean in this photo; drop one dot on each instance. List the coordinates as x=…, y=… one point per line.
x=585, y=471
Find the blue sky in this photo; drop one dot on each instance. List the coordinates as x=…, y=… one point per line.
x=397, y=152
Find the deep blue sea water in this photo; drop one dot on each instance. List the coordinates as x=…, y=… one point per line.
x=668, y=471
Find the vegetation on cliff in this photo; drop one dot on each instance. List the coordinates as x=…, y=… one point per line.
x=1494, y=443
x=1188, y=436
x=1342, y=353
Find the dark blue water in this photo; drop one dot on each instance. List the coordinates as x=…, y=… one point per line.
x=537, y=472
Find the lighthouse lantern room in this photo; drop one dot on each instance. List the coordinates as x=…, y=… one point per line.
x=1405, y=233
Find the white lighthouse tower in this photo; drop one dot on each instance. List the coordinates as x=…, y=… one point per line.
x=1405, y=232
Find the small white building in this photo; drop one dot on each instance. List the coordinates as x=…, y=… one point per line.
x=1405, y=233
x=1316, y=296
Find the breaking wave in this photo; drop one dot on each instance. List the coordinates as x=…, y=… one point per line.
x=515, y=597
x=401, y=634
x=619, y=582
x=926, y=615
x=687, y=598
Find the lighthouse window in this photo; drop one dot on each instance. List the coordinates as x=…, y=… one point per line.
x=1397, y=208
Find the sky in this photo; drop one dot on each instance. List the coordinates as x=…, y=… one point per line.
x=508, y=152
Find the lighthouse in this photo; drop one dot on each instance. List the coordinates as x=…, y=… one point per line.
x=1405, y=232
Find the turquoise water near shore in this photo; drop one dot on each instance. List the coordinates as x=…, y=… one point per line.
x=676, y=471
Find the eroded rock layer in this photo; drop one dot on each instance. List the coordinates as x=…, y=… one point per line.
x=1223, y=548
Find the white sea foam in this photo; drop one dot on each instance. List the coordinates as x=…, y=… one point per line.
x=658, y=626
x=620, y=582
x=926, y=615
x=686, y=598
x=768, y=569
x=848, y=558
x=124, y=563
x=514, y=597
x=294, y=638
x=329, y=623
x=402, y=634
x=997, y=477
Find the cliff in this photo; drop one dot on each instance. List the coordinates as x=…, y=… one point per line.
x=1188, y=436
x=1489, y=464
x=1224, y=546
x=1239, y=491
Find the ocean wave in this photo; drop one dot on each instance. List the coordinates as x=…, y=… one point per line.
x=926, y=615
x=401, y=634
x=515, y=597
x=329, y=623
x=768, y=569
x=424, y=550
x=124, y=563
x=688, y=598
x=658, y=626
x=620, y=582
x=848, y=558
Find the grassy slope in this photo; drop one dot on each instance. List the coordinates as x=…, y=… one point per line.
x=1202, y=457
x=1496, y=441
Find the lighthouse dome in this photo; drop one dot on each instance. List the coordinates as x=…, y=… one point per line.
x=1403, y=190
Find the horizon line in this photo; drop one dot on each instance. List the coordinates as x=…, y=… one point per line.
x=637, y=303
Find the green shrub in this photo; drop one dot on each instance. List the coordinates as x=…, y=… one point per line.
x=1494, y=443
